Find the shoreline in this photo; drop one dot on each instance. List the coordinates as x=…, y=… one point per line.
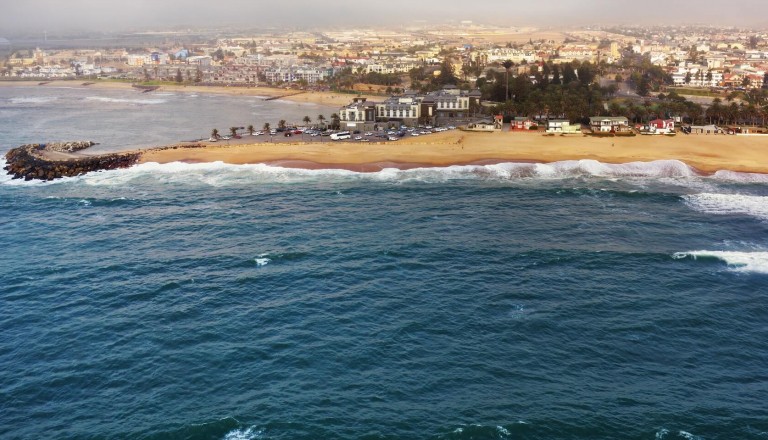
x=706, y=154
x=268, y=93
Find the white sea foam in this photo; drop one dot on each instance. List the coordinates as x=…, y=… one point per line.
x=261, y=261
x=221, y=174
x=33, y=100
x=733, y=176
x=126, y=101
x=688, y=436
x=244, y=434
x=728, y=204
x=753, y=262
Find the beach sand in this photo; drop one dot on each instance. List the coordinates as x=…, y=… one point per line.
x=706, y=153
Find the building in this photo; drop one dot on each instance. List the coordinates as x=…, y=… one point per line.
x=449, y=105
x=404, y=109
x=200, y=60
x=608, y=124
x=521, y=123
x=562, y=126
x=659, y=126
x=359, y=115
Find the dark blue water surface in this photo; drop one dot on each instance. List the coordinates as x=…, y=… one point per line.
x=573, y=300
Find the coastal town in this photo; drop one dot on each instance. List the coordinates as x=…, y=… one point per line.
x=434, y=87
x=660, y=79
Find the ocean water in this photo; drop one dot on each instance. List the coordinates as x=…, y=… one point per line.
x=574, y=300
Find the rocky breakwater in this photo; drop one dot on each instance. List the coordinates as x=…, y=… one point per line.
x=62, y=159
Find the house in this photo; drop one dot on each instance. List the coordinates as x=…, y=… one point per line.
x=607, y=124
x=703, y=129
x=521, y=123
x=563, y=126
x=482, y=126
x=660, y=126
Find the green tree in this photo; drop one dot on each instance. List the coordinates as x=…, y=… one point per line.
x=250, y=130
x=507, y=65
x=233, y=130
x=307, y=120
x=321, y=119
x=281, y=124
x=266, y=127
x=335, y=121
x=214, y=133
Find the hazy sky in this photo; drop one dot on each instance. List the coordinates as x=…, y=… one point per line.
x=38, y=15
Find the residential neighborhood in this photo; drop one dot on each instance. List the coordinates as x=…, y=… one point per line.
x=451, y=74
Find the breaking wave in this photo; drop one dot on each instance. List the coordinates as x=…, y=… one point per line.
x=756, y=262
x=126, y=101
x=33, y=100
x=221, y=174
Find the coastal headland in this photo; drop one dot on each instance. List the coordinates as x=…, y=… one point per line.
x=705, y=153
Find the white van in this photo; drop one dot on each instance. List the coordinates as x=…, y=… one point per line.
x=341, y=135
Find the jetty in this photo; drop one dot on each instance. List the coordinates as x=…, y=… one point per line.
x=62, y=159
x=273, y=98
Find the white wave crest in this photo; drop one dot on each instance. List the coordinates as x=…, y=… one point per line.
x=126, y=101
x=756, y=262
x=262, y=261
x=219, y=173
x=688, y=436
x=733, y=176
x=726, y=204
x=244, y=434
x=33, y=100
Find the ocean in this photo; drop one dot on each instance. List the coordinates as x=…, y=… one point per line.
x=574, y=300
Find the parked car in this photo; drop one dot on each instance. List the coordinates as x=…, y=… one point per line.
x=394, y=138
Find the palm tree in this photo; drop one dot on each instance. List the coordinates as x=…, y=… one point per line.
x=307, y=120
x=321, y=119
x=507, y=64
x=233, y=130
x=250, y=130
x=281, y=124
x=335, y=121
x=266, y=127
x=214, y=133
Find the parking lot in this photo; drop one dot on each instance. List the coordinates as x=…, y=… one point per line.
x=298, y=135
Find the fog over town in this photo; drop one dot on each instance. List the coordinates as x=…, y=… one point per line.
x=112, y=15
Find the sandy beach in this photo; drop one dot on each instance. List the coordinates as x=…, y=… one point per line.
x=706, y=153
x=294, y=95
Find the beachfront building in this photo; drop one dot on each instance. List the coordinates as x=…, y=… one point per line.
x=562, y=126
x=450, y=104
x=608, y=124
x=447, y=106
x=660, y=126
x=521, y=123
x=310, y=75
x=360, y=115
x=403, y=109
